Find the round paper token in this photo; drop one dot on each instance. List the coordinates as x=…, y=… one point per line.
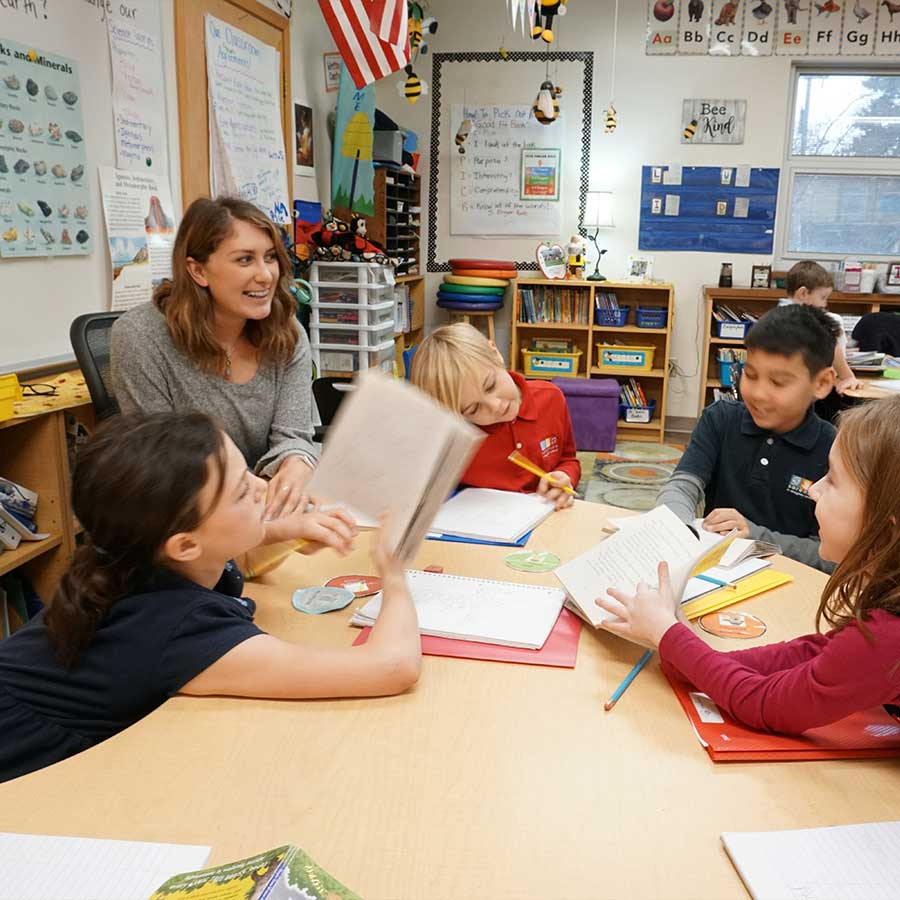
x=532, y=561
x=359, y=585
x=733, y=624
x=317, y=600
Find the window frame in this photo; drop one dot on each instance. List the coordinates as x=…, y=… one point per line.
x=825, y=165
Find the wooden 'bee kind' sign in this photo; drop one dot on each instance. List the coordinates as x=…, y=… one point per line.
x=713, y=121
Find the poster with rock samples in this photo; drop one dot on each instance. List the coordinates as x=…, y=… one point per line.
x=44, y=197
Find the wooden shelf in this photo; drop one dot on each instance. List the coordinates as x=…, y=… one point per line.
x=653, y=373
x=718, y=340
x=553, y=326
x=713, y=383
x=639, y=426
x=630, y=329
x=27, y=551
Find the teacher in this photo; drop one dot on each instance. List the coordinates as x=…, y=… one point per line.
x=221, y=337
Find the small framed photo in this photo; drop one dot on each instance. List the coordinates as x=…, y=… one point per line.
x=761, y=277
x=332, y=71
x=304, y=149
x=639, y=268
x=721, y=207
x=893, y=275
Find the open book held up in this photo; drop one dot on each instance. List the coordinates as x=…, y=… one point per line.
x=632, y=555
x=392, y=449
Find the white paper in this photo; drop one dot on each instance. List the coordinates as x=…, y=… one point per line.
x=247, y=156
x=742, y=176
x=140, y=230
x=489, y=612
x=673, y=204
x=139, y=102
x=672, y=174
x=41, y=867
x=741, y=207
x=489, y=515
x=885, y=384
x=697, y=587
x=850, y=862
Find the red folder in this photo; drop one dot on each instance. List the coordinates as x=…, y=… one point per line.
x=868, y=734
x=560, y=648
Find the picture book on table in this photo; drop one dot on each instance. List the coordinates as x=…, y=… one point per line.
x=285, y=873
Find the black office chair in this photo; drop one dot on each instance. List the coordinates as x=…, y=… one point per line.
x=328, y=393
x=89, y=335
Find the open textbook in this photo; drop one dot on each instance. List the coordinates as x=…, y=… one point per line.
x=392, y=449
x=632, y=555
x=489, y=515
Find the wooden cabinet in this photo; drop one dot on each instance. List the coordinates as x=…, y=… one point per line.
x=586, y=337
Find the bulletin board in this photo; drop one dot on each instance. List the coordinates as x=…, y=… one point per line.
x=487, y=80
x=708, y=208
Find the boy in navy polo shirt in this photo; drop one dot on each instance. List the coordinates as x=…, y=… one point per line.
x=753, y=462
x=463, y=370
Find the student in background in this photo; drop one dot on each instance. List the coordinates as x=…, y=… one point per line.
x=751, y=462
x=811, y=681
x=221, y=336
x=464, y=371
x=150, y=605
x=809, y=283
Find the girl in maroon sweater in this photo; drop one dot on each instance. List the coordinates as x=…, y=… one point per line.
x=819, y=678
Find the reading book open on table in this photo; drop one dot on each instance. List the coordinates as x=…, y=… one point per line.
x=484, y=514
x=285, y=873
x=392, y=449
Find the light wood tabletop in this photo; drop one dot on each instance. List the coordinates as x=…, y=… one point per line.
x=487, y=780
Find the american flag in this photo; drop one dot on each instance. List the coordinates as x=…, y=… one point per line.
x=357, y=26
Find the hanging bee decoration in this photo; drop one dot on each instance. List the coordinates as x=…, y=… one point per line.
x=413, y=87
x=546, y=104
x=462, y=135
x=690, y=130
x=611, y=120
x=504, y=53
x=418, y=29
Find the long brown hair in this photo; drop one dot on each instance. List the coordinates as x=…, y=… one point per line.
x=189, y=307
x=135, y=484
x=869, y=575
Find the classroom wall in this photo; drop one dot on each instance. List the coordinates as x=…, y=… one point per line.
x=40, y=297
x=648, y=96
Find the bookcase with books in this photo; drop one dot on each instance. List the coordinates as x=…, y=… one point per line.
x=729, y=312
x=599, y=329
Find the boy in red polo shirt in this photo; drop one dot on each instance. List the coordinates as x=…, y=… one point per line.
x=463, y=370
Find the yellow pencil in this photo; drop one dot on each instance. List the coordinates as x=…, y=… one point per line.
x=263, y=559
x=525, y=463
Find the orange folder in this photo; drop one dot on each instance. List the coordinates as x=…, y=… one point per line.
x=869, y=734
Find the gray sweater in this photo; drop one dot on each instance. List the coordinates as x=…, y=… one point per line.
x=269, y=417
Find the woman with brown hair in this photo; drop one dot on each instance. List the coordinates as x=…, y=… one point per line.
x=817, y=679
x=221, y=336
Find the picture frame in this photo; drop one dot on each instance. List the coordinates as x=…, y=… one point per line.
x=892, y=279
x=761, y=277
x=552, y=260
x=304, y=144
x=332, y=63
x=540, y=174
x=639, y=268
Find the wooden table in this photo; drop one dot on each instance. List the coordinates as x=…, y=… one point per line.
x=487, y=780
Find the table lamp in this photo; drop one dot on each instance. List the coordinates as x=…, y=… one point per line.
x=597, y=215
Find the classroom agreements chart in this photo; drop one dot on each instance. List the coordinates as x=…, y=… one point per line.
x=44, y=199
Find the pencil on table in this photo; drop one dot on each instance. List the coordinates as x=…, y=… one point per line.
x=627, y=680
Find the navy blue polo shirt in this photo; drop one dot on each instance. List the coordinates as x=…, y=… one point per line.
x=763, y=475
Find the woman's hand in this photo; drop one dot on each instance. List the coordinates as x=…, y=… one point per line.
x=555, y=493
x=644, y=617
x=285, y=491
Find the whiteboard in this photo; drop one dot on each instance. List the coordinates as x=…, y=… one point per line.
x=483, y=80
x=40, y=297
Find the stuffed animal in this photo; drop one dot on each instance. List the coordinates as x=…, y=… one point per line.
x=575, y=250
x=546, y=10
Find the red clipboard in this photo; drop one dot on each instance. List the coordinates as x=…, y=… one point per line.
x=873, y=733
x=560, y=648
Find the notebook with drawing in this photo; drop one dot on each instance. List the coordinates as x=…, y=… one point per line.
x=472, y=609
x=489, y=515
x=850, y=862
x=392, y=449
x=632, y=555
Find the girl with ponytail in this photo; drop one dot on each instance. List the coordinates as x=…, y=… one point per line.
x=150, y=605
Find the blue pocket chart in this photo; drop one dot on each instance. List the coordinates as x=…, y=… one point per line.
x=703, y=222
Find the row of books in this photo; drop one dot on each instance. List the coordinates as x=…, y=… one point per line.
x=18, y=507
x=605, y=300
x=632, y=394
x=722, y=313
x=563, y=305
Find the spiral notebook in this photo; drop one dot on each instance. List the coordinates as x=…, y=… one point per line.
x=472, y=609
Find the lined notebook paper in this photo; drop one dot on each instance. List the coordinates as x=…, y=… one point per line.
x=489, y=515
x=42, y=867
x=471, y=609
x=847, y=862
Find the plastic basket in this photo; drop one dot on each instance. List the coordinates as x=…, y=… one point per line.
x=652, y=317
x=544, y=364
x=612, y=318
x=624, y=358
x=734, y=330
x=729, y=373
x=637, y=415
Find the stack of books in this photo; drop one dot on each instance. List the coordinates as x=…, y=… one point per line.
x=722, y=313
x=18, y=507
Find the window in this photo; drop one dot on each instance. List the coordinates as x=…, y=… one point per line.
x=842, y=171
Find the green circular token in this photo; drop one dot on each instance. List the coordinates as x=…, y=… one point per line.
x=533, y=561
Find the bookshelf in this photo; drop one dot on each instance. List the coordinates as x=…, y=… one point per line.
x=585, y=336
x=757, y=301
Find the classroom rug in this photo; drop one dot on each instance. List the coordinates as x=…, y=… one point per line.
x=630, y=477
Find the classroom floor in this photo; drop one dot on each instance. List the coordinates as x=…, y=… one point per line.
x=630, y=476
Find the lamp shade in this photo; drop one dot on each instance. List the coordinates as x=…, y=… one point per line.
x=598, y=212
